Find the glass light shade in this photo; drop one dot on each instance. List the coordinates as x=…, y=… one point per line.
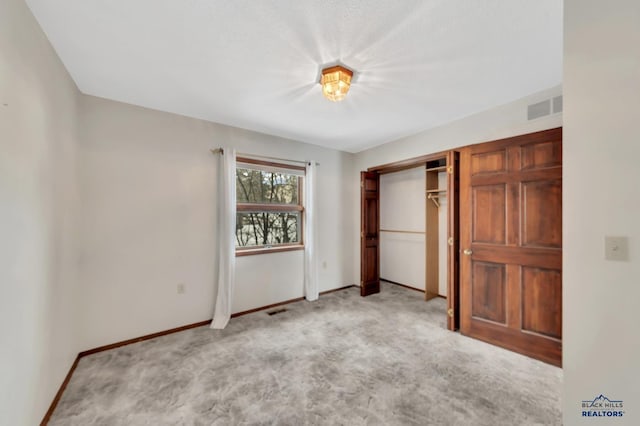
x=336, y=82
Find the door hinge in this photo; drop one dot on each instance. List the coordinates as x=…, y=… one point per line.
x=450, y=170
x=361, y=234
x=450, y=241
x=362, y=184
x=450, y=312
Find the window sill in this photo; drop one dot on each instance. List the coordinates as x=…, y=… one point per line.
x=263, y=250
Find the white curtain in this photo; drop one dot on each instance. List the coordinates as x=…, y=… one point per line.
x=310, y=261
x=227, y=237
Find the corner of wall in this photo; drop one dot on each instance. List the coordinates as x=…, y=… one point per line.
x=38, y=192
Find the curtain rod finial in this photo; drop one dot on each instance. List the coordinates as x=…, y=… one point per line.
x=217, y=151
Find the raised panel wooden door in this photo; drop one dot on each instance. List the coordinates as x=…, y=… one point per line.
x=369, y=233
x=511, y=244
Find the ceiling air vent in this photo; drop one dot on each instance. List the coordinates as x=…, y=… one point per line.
x=557, y=104
x=539, y=110
x=544, y=108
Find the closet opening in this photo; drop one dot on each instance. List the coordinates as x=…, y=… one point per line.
x=503, y=242
x=409, y=232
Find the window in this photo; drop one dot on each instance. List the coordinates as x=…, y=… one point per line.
x=269, y=211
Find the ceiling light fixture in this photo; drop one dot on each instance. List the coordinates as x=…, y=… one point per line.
x=335, y=82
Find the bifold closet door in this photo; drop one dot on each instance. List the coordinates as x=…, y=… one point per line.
x=511, y=243
x=369, y=233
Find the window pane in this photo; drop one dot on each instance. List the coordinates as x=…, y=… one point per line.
x=258, y=186
x=267, y=228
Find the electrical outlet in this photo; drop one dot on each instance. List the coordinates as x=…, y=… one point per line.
x=616, y=248
x=181, y=288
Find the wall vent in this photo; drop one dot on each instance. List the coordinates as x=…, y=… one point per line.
x=538, y=110
x=544, y=108
x=557, y=104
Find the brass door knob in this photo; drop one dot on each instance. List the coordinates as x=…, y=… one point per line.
x=468, y=252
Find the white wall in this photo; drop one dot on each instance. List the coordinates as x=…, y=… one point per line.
x=37, y=213
x=402, y=208
x=148, y=186
x=601, y=342
x=501, y=122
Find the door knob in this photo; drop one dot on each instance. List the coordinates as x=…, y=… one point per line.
x=468, y=252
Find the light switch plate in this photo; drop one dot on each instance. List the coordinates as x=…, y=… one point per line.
x=616, y=248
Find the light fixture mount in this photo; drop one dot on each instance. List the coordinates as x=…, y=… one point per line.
x=335, y=82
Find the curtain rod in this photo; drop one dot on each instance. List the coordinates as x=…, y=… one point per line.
x=242, y=154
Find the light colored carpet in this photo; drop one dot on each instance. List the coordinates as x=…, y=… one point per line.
x=386, y=359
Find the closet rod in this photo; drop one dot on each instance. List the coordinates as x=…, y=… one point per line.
x=436, y=169
x=435, y=190
x=402, y=232
x=261, y=157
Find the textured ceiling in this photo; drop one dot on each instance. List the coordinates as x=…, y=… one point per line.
x=255, y=64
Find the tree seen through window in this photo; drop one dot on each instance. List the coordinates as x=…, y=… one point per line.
x=269, y=210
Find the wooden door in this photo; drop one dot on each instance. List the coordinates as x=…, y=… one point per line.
x=511, y=242
x=369, y=233
x=453, y=241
